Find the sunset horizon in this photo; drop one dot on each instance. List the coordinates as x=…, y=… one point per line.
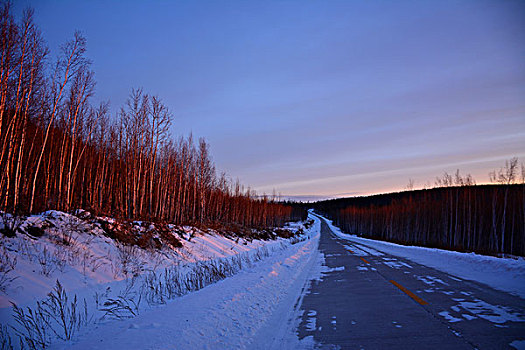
x=262, y=175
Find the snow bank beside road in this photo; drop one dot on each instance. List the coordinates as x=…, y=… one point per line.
x=503, y=274
x=90, y=260
x=115, y=280
x=246, y=311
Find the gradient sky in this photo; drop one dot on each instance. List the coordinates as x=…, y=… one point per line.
x=318, y=98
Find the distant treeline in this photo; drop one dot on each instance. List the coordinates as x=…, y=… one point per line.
x=58, y=151
x=487, y=219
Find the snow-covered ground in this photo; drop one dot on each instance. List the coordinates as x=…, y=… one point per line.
x=250, y=310
x=120, y=282
x=91, y=259
x=505, y=274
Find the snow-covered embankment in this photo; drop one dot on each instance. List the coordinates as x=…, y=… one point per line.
x=249, y=310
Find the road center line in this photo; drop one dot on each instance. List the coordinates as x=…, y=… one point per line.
x=364, y=260
x=409, y=293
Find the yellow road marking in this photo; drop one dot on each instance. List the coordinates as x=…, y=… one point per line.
x=350, y=251
x=409, y=293
x=364, y=260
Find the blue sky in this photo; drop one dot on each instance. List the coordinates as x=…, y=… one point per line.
x=318, y=98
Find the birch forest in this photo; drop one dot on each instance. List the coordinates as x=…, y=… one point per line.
x=59, y=151
x=456, y=214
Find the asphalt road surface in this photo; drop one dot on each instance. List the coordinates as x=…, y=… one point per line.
x=370, y=300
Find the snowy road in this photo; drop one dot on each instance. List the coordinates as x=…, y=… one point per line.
x=367, y=299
